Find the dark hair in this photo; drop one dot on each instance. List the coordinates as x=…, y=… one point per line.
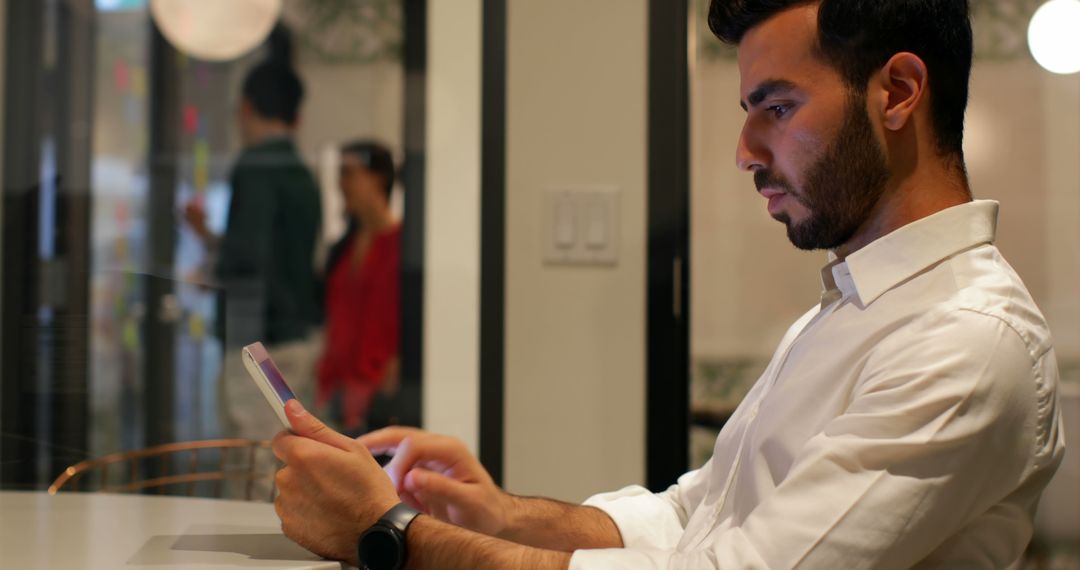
x=279, y=45
x=274, y=91
x=376, y=158
x=858, y=37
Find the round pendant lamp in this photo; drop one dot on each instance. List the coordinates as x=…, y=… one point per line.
x=1053, y=36
x=215, y=30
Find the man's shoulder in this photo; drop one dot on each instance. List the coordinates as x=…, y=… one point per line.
x=963, y=301
x=989, y=287
x=985, y=335
x=277, y=165
x=270, y=156
x=977, y=281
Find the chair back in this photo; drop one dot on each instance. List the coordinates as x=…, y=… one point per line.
x=235, y=465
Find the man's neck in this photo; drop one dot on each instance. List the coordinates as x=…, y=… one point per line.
x=269, y=132
x=924, y=192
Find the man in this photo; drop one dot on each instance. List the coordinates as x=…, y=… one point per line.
x=265, y=259
x=908, y=420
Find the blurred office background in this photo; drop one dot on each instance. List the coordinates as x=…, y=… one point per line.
x=109, y=296
x=573, y=361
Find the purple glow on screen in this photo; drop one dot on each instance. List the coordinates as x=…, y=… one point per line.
x=276, y=380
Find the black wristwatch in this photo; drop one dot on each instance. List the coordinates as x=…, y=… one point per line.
x=382, y=547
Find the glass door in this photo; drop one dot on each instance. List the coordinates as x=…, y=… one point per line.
x=109, y=299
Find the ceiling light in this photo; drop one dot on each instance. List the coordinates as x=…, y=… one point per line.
x=215, y=30
x=1053, y=36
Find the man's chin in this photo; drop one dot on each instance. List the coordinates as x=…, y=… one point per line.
x=783, y=219
x=799, y=233
x=809, y=238
x=804, y=245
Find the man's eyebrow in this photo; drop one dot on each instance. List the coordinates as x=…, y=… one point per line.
x=770, y=87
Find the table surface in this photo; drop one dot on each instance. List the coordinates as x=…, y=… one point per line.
x=96, y=530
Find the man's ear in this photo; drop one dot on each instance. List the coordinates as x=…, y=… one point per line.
x=903, y=82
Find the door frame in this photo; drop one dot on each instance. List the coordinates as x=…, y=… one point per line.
x=44, y=397
x=668, y=320
x=493, y=239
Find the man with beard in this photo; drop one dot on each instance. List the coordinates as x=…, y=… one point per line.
x=908, y=420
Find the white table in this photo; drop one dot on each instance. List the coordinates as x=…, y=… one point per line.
x=92, y=531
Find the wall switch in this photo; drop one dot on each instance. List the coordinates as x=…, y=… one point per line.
x=581, y=226
x=597, y=221
x=565, y=221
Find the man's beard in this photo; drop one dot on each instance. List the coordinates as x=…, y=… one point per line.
x=842, y=187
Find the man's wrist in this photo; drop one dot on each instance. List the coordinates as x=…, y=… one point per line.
x=511, y=506
x=439, y=545
x=553, y=525
x=384, y=545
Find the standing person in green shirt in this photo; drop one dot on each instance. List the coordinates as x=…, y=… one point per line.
x=265, y=263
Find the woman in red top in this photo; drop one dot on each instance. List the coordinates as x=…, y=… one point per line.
x=362, y=290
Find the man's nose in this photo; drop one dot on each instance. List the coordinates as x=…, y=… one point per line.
x=751, y=154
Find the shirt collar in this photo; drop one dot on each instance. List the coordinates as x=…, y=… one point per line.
x=273, y=142
x=897, y=256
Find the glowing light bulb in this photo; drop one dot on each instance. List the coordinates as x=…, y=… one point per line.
x=1053, y=37
x=215, y=30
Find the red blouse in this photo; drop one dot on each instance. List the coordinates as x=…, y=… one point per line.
x=363, y=324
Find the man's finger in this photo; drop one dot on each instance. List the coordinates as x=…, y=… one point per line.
x=426, y=483
x=276, y=444
x=387, y=439
x=288, y=446
x=307, y=425
x=409, y=499
x=425, y=450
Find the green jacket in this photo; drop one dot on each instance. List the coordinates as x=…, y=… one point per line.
x=266, y=257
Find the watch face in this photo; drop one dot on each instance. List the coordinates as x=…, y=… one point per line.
x=380, y=549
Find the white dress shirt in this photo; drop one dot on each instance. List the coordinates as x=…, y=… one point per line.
x=909, y=420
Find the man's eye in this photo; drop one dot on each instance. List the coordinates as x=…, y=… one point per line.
x=778, y=110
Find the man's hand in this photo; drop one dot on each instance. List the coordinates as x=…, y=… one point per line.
x=439, y=476
x=331, y=489
x=195, y=216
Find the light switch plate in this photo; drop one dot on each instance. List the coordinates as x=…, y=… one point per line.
x=581, y=226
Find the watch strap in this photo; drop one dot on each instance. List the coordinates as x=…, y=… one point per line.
x=400, y=516
x=383, y=546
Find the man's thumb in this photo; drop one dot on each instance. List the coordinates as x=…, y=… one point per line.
x=309, y=426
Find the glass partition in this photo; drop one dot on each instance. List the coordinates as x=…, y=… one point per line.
x=140, y=357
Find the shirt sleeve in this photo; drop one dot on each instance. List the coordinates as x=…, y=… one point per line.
x=648, y=520
x=942, y=428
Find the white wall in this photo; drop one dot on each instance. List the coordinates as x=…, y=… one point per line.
x=575, y=337
x=1022, y=144
x=452, y=224
x=1061, y=211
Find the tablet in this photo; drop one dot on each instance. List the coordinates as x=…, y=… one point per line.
x=268, y=378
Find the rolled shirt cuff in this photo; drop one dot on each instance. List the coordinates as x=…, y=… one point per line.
x=644, y=519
